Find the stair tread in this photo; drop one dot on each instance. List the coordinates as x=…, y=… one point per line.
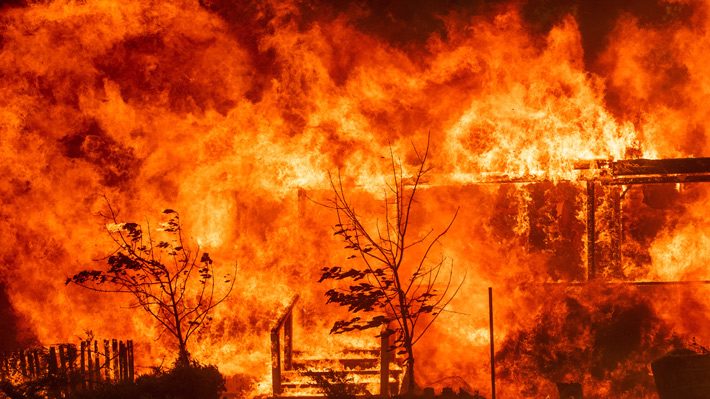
x=299, y=373
x=335, y=361
x=346, y=351
x=310, y=396
x=292, y=385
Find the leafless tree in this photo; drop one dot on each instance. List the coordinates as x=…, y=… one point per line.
x=395, y=281
x=172, y=283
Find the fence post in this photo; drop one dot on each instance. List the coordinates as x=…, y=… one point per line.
x=71, y=358
x=23, y=366
x=116, y=374
x=62, y=359
x=122, y=360
x=83, y=365
x=107, y=361
x=97, y=362
x=52, y=361
x=130, y=360
x=90, y=372
x=31, y=365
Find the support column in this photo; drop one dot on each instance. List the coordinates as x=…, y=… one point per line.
x=591, y=230
x=616, y=229
x=275, y=363
x=493, y=359
x=288, y=342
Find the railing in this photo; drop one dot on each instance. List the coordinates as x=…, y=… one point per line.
x=88, y=366
x=285, y=321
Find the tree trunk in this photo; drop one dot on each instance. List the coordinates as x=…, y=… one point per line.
x=411, y=385
x=184, y=355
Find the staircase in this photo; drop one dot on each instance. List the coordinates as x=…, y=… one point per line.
x=359, y=371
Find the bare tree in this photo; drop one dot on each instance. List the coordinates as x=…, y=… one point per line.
x=395, y=281
x=171, y=282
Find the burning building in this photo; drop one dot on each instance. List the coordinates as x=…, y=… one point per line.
x=546, y=118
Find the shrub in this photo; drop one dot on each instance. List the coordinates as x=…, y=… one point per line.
x=183, y=381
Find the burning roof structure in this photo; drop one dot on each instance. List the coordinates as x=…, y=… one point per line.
x=572, y=135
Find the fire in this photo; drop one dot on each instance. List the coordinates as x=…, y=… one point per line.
x=233, y=114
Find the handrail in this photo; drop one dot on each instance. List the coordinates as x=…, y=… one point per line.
x=285, y=321
x=286, y=313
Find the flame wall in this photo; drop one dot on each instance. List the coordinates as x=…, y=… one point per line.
x=224, y=110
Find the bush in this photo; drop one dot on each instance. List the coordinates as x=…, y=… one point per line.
x=183, y=381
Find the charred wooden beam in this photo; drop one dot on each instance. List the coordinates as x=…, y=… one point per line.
x=107, y=361
x=591, y=229
x=660, y=166
x=636, y=283
x=616, y=228
x=493, y=359
x=657, y=179
x=23, y=365
x=83, y=364
x=131, y=366
x=116, y=371
x=285, y=314
x=275, y=364
x=285, y=321
x=52, y=361
x=288, y=342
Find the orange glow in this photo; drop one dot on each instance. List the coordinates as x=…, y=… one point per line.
x=233, y=113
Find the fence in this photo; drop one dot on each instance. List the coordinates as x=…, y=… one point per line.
x=87, y=366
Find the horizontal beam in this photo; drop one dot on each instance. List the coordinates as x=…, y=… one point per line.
x=636, y=283
x=656, y=179
x=629, y=167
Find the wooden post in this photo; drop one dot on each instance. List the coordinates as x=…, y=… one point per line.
x=31, y=365
x=591, y=230
x=384, y=364
x=617, y=228
x=275, y=363
x=38, y=365
x=90, y=371
x=23, y=365
x=107, y=361
x=122, y=361
x=130, y=361
x=288, y=342
x=71, y=358
x=52, y=367
x=114, y=353
x=52, y=361
x=62, y=359
x=83, y=365
x=493, y=359
x=97, y=362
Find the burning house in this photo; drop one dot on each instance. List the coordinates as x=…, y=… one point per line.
x=568, y=138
